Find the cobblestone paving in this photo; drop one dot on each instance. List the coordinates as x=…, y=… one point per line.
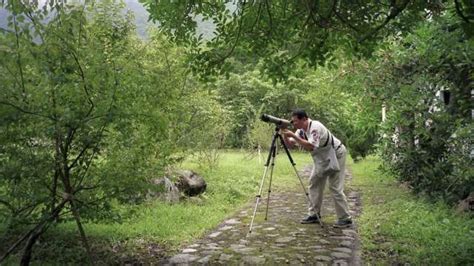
x=281, y=239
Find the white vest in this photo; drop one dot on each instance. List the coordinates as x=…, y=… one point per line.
x=318, y=135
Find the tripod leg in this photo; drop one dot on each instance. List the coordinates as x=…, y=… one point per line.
x=262, y=181
x=298, y=175
x=272, y=166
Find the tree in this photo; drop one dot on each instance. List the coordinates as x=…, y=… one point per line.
x=83, y=115
x=427, y=139
x=283, y=32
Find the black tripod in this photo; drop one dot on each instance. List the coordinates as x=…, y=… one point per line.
x=271, y=157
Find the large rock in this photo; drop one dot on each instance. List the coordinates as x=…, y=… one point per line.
x=466, y=204
x=190, y=183
x=170, y=192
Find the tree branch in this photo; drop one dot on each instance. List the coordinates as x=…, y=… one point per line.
x=81, y=153
x=71, y=131
x=20, y=67
x=26, y=111
x=311, y=12
x=30, y=207
x=83, y=78
x=76, y=215
x=101, y=132
x=270, y=18
x=239, y=32
x=394, y=12
x=257, y=19
x=344, y=21
x=40, y=225
x=33, y=19
x=8, y=205
x=459, y=11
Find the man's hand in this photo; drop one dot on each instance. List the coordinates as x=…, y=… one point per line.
x=290, y=138
x=288, y=133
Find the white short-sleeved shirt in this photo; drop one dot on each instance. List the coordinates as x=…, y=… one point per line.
x=317, y=134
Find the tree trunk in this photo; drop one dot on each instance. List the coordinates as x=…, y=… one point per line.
x=54, y=191
x=38, y=228
x=26, y=257
x=81, y=231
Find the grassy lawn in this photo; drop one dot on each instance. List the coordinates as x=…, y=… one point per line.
x=397, y=227
x=153, y=228
x=229, y=186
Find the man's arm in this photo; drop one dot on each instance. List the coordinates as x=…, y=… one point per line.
x=300, y=141
x=289, y=141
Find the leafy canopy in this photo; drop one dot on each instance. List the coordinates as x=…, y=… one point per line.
x=283, y=32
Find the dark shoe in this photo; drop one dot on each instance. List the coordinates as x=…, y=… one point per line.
x=343, y=223
x=312, y=219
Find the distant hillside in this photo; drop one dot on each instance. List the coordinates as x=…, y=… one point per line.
x=3, y=18
x=141, y=17
x=141, y=20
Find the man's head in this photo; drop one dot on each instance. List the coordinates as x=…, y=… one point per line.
x=299, y=119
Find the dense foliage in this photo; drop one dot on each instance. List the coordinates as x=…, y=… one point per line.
x=426, y=81
x=333, y=96
x=281, y=32
x=89, y=114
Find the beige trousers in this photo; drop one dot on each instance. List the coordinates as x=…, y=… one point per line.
x=336, y=186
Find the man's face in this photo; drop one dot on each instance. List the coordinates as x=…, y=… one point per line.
x=299, y=123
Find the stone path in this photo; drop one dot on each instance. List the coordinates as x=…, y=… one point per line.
x=281, y=239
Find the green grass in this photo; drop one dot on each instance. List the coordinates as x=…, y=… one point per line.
x=233, y=183
x=230, y=186
x=398, y=227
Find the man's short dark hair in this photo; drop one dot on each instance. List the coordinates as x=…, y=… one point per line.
x=300, y=113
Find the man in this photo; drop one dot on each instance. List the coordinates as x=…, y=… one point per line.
x=313, y=136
